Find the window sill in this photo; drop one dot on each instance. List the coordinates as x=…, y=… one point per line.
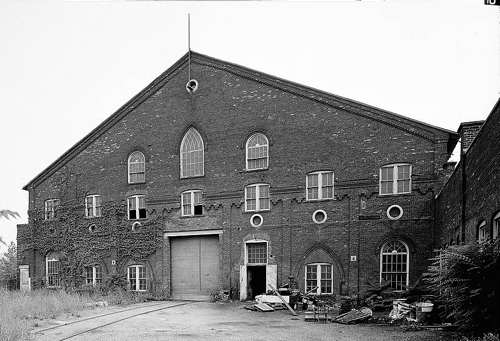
x=192, y=216
x=191, y=177
x=254, y=212
x=395, y=195
x=136, y=183
x=319, y=200
x=254, y=170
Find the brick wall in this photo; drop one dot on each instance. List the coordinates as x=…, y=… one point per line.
x=307, y=132
x=471, y=195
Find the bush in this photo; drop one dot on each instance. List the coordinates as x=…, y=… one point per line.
x=465, y=280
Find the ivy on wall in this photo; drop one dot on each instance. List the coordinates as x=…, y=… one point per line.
x=80, y=242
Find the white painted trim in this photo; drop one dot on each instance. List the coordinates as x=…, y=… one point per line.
x=191, y=233
x=400, y=212
x=319, y=221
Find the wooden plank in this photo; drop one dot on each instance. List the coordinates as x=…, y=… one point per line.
x=263, y=307
x=282, y=299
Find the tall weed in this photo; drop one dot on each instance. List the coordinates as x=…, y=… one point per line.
x=20, y=310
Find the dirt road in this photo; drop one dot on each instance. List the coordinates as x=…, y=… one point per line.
x=214, y=321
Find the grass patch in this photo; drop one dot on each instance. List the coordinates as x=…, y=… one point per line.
x=19, y=311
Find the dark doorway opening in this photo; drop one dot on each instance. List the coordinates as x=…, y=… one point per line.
x=256, y=280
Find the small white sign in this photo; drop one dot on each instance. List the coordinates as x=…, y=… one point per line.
x=353, y=258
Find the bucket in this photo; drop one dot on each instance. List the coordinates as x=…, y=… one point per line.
x=425, y=306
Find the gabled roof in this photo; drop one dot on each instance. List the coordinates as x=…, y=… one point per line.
x=409, y=125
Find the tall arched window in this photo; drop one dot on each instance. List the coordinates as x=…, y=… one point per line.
x=52, y=270
x=257, y=151
x=394, y=261
x=136, y=168
x=192, y=154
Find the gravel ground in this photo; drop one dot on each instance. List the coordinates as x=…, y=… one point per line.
x=218, y=321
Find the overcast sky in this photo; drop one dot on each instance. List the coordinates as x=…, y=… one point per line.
x=67, y=66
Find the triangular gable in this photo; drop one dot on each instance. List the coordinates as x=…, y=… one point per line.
x=404, y=123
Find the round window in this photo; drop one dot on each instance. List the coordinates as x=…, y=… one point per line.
x=256, y=220
x=319, y=216
x=394, y=212
x=92, y=228
x=192, y=85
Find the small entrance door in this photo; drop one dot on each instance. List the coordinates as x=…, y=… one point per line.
x=256, y=277
x=24, y=277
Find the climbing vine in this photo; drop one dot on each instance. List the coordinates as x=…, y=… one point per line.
x=80, y=242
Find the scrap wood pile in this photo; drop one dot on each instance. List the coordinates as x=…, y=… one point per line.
x=354, y=316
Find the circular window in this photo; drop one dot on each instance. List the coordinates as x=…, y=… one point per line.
x=92, y=228
x=192, y=86
x=256, y=220
x=136, y=226
x=319, y=216
x=394, y=212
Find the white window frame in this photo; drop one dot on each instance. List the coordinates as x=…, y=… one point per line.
x=93, y=206
x=192, y=156
x=257, y=152
x=481, y=232
x=136, y=168
x=320, y=186
x=259, y=200
x=189, y=201
x=396, y=284
x=51, y=206
x=395, y=178
x=137, y=283
x=249, y=244
x=138, y=207
x=53, y=278
x=496, y=226
x=95, y=275
x=319, y=278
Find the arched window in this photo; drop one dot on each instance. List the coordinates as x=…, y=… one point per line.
x=394, y=261
x=52, y=270
x=93, y=275
x=136, y=168
x=192, y=154
x=496, y=226
x=481, y=231
x=257, y=152
x=136, y=275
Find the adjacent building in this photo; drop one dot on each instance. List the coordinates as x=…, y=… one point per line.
x=468, y=207
x=232, y=180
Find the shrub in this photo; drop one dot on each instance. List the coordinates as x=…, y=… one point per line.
x=465, y=280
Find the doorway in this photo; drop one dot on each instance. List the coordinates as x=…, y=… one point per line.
x=256, y=276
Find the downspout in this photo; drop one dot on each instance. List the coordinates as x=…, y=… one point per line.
x=464, y=198
x=348, y=245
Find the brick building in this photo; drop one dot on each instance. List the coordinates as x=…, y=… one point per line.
x=468, y=207
x=234, y=180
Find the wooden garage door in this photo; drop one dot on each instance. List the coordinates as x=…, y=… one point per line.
x=195, y=267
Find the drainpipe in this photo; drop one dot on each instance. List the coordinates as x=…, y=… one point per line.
x=464, y=198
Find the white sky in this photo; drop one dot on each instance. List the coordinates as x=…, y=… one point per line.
x=66, y=66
